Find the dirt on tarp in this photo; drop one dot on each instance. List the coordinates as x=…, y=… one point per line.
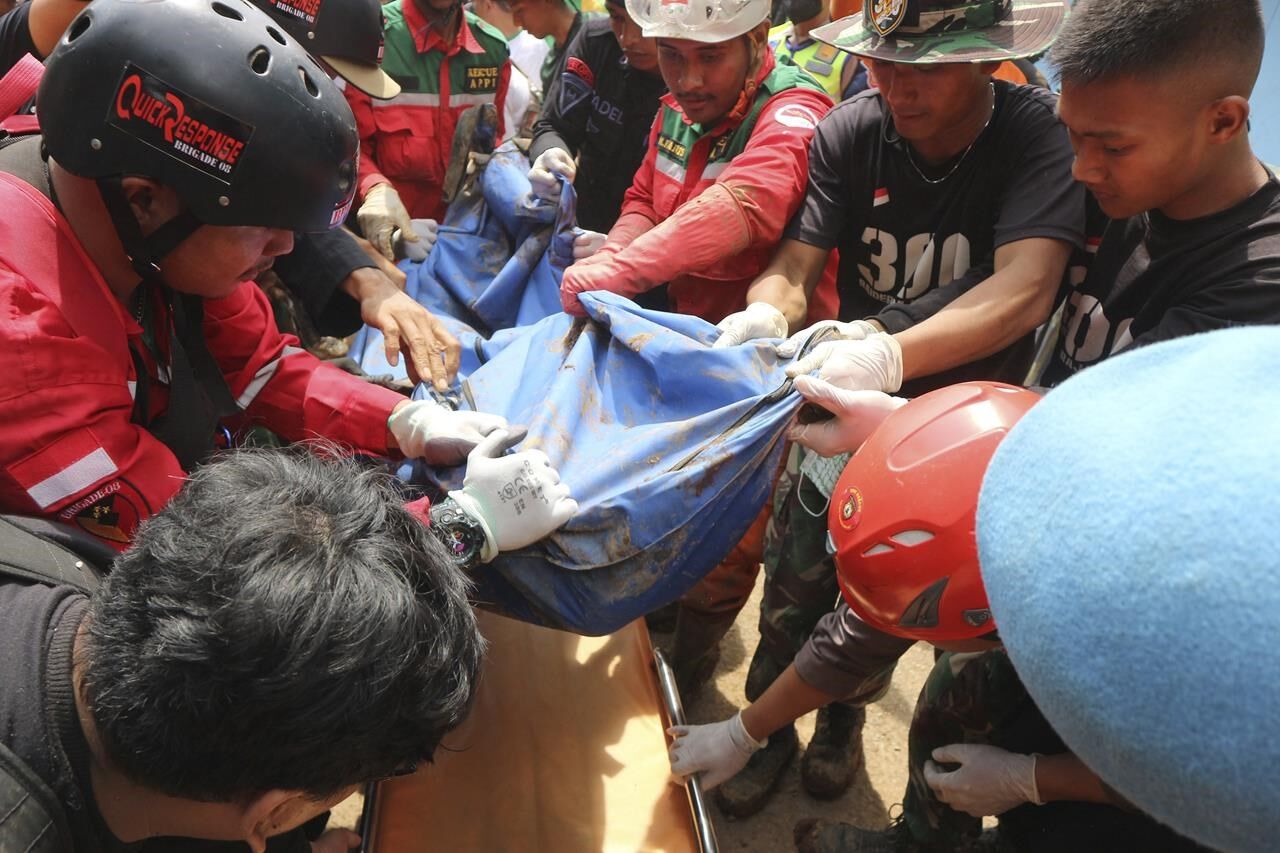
x=877, y=786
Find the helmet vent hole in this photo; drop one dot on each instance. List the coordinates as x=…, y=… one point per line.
x=878, y=548
x=275, y=34
x=79, y=27
x=227, y=12
x=911, y=538
x=308, y=83
x=260, y=60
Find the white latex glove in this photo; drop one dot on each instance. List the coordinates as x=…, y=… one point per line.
x=855, y=331
x=587, y=243
x=760, y=320
x=871, y=364
x=517, y=498
x=548, y=164
x=417, y=250
x=989, y=781
x=716, y=751
x=426, y=430
x=857, y=414
x=381, y=215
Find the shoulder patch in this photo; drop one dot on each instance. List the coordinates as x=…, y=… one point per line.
x=112, y=512
x=577, y=66
x=797, y=116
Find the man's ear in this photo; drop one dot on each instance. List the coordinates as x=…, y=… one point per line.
x=153, y=204
x=1228, y=118
x=269, y=814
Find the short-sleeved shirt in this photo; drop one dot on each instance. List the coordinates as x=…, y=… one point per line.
x=904, y=229
x=1156, y=278
x=15, y=37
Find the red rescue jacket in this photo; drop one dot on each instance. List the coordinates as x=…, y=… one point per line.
x=69, y=448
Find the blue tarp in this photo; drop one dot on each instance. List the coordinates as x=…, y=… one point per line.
x=670, y=448
x=497, y=262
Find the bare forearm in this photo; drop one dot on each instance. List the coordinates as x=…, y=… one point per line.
x=787, y=699
x=1064, y=777
x=994, y=314
x=789, y=281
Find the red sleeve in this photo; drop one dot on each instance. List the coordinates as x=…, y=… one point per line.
x=769, y=177
x=362, y=107
x=285, y=387
x=504, y=83
x=68, y=450
x=639, y=196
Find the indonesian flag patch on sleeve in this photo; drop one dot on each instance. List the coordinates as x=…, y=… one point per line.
x=881, y=197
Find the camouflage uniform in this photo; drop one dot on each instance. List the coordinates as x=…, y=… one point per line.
x=978, y=698
x=800, y=577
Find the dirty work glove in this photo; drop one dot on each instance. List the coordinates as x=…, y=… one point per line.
x=587, y=243
x=855, y=331
x=989, y=781
x=857, y=414
x=871, y=364
x=427, y=430
x=381, y=215
x=760, y=320
x=548, y=164
x=417, y=250
x=717, y=751
x=517, y=498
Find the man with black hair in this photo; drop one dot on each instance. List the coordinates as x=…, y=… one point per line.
x=598, y=112
x=281, y=633
x=950, y=199
x=132, y=232
x=1156, y=99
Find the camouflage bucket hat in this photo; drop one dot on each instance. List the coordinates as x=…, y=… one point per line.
x=931, y=31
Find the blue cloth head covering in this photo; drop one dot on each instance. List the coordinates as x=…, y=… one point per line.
x=1127, y=530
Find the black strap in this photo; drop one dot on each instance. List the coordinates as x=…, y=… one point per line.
x=32, y=819
x=198, y=394
x=43, y=551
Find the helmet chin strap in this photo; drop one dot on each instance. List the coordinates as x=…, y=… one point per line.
x=748, y=94
x=145, y=251
x=199, y=397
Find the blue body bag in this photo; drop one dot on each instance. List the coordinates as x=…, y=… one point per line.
x=669, y=446
x=496, y=264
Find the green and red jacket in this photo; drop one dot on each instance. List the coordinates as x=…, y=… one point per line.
x=763, y=156
x=406, y=140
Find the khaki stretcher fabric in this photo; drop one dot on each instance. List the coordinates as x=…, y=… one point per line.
x=565, y=751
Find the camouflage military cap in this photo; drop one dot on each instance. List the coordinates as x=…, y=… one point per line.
x=931, y=31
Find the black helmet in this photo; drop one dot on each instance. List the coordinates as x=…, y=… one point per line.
x=207, y=97
x=347, y=34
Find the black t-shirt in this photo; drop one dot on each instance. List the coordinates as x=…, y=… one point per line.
x=38, y=720
x=901, y=237
x=1155, y=278
x=601, y=110
x=15, y=38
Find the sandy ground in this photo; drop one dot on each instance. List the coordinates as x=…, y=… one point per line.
x=877, y=787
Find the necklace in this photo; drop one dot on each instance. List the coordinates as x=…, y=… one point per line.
x=935, y=181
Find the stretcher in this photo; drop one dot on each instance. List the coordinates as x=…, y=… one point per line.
x=564, y=751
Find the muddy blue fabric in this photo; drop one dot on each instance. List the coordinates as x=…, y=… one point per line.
x=670, y=448
x=1127, y=535
x=497, y=262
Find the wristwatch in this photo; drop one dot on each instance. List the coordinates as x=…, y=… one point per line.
x=458, y=530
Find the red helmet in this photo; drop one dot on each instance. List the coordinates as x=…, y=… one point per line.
x=901, y=518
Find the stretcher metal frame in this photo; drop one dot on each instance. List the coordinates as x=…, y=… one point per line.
x=673, y=709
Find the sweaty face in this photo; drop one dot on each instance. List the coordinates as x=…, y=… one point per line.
x=215, y=259
x=1139, y=145
x=929, y=102
x=641, y=53
x=706, y=79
